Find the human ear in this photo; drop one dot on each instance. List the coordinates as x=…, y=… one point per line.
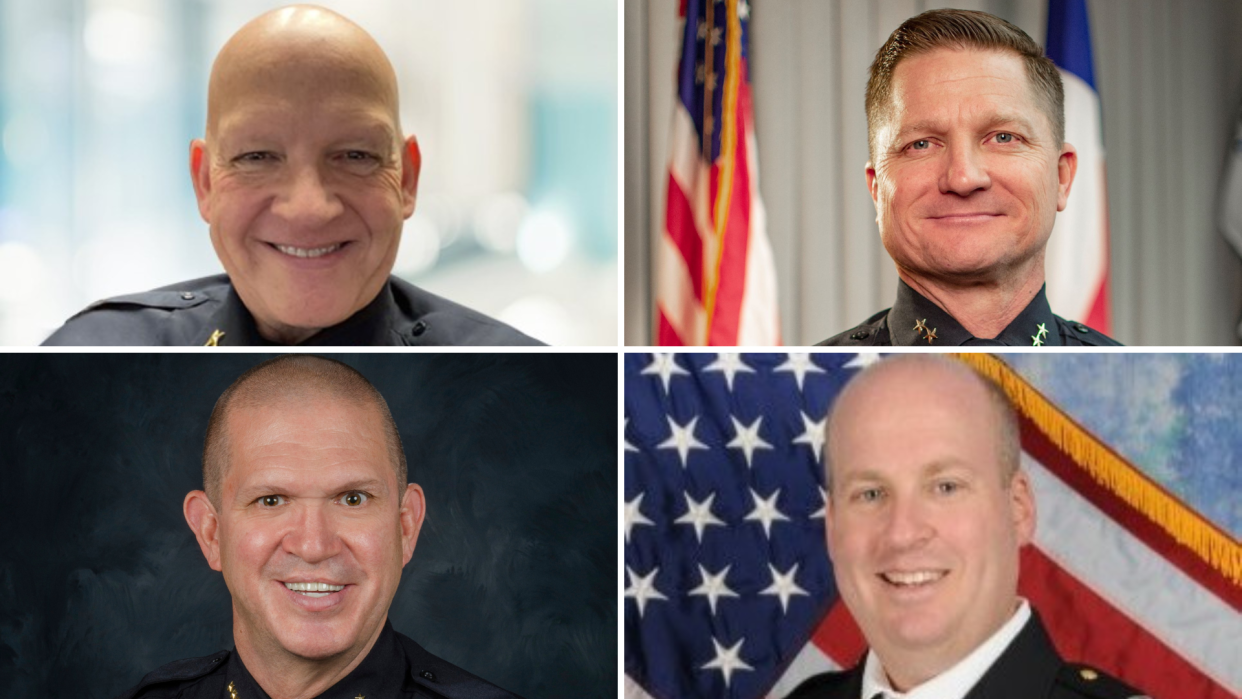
x=1023, y=505
x=200, y=176
x=411, y=165
x=200, y=514
x=1067, y=167
x=413, y=509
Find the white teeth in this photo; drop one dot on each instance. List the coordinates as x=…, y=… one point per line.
x=310, y=588
x=918, y=577
x=308, y=252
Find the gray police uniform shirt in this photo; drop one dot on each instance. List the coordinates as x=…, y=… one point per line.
x=395, y=667
x=914, y=320
x=208, y=311
x=1030, y=668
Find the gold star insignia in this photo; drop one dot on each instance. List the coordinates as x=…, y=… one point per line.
x=232, y=691
x=1038, y=340
x=920, y=326
x=931, y=335
x=1043, y=331
x=214, y=340
x=360, y=697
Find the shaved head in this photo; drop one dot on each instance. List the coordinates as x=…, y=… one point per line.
x=288, y=380
x=936, y=379
x=304, y=157
x=305, y=46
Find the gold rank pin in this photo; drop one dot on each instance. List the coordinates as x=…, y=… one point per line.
x=231, y=689
x=214, y=341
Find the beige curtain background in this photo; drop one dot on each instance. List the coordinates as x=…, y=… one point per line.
x=1169, y=73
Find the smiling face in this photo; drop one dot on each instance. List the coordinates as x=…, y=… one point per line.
x=303, y=176
x=967, y=177
x=310, y=499
x=923, y=525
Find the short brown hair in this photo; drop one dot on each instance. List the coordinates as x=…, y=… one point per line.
x=962, y=29
x=282, y=378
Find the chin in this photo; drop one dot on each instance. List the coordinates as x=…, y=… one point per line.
x=315, y=643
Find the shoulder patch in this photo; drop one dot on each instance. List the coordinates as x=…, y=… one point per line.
x=179, y=671
x=1088, y=681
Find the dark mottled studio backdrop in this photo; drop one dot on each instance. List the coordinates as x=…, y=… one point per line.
x=514, y=577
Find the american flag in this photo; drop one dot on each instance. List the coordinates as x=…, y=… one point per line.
x=729, y=591
x=715, y=280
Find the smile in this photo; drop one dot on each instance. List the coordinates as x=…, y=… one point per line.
x=308, y=252
x=314, y=589
x=915, y=578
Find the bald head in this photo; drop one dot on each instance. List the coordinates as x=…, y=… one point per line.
x=916, y=385
x=300, y=48
x=294, y=379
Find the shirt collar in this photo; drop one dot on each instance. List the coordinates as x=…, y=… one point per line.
x=380, y=674
x=955, y=682
x=914, y=317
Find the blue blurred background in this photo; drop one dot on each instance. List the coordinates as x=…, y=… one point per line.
x=514, y=103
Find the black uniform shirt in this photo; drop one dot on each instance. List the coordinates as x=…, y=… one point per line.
x=916, y=320
x=395, y=667
x=208, y=311
x=1030, y=668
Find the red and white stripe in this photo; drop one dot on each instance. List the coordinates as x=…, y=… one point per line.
x=715, y=275
x=1076, y=262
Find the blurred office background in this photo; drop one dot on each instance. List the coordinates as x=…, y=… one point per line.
x=1169, y=75
x=514, y=103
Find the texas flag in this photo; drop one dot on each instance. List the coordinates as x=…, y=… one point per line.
x=1077, y=261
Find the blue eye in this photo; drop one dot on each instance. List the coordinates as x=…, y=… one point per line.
x=1004, y=138
x=922, y=144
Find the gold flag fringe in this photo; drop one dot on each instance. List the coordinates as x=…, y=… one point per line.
x=1106, y=467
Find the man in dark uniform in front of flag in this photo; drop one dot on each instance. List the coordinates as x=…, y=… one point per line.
x=307, y=511
x=927, y=509
x=969, y=167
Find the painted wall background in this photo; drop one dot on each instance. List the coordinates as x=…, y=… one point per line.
x=514, y=577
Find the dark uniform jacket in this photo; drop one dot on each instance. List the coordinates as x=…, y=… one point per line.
x=395, y=667
x=208, y=311
x=915, y=320
x=1028, y=669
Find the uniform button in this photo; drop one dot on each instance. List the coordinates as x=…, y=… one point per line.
x=1082, y=328
x=419, y=328
x=428, y=675
x=860, y=335
x=187, y=295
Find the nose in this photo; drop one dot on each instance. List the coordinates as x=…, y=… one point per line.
x=306, y=200
x=965, y=171
x=907, y=526
x=313, y=537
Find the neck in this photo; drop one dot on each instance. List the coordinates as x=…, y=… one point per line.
x=284, y=675
x=283, y=334
x=985, y=307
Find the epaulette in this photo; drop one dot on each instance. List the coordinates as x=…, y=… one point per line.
x=178, y=671
x=1097, y=684
x=169, y=300
x=873, y=331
